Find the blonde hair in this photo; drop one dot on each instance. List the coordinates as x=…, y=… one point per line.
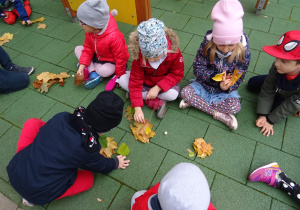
x=238, y=52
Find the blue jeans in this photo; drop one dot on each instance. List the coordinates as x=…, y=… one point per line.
x=255, y=83
x=10, y=81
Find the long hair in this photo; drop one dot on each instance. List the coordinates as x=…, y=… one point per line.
x=238, y=52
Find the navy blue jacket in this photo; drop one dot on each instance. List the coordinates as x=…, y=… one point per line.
x=45, y=169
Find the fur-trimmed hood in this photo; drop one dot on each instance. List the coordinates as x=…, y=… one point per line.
x=134, y=46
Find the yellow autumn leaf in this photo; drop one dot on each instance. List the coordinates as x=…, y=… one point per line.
x=110, y=149
x=202, y=148
x=42, y=26
x=38, y=20
x=218, y=77
x=139, y=131
x=9, y=36
x=235, y=77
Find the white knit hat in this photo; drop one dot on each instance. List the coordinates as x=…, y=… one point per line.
x=94, y=13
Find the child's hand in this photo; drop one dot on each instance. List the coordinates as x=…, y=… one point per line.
x=153, y=92
x=225, y=83
x=139, y=115
x=122, y=162
x=80, y=69
x=267, y=129
x=4, y=15
x=260, y=121
x=28, y=22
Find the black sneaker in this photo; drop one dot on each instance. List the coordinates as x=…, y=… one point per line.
x=27, y=70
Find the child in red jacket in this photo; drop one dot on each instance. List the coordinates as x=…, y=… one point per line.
x=11, y=9
x=156, y=70
x=104, y=52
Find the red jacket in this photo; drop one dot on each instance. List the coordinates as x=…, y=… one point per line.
x=110, y=46
x=141, y=203
x=169, y=73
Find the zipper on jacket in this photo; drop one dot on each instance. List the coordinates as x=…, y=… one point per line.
x=95, y=42
x=277, y=90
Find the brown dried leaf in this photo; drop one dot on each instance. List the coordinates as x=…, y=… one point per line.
x=42, y=26
x=140, y=133
x=37, y=84
x=46, y=76
x=110, y=149
x=129, y=112
x=79, y=79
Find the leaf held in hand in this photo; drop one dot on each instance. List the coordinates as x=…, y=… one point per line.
x=110, y=149
x=79, y=79
x=218, y=77
x=235, y=77
x=139, y=131
x=123, y=149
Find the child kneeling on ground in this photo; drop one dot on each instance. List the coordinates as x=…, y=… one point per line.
x=156, y=70
x=49, y=154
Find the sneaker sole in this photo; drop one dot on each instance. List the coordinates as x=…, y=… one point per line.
x=92, y=84
x=234, y=122
x=161, y=112
x=182, y=104
x=31, y=71
x=265, y=166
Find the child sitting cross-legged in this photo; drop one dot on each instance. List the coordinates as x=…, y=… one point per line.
x=224, y=50
x=156, y=70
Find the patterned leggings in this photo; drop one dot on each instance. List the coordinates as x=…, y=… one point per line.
x=229, y=105
x=289, y=186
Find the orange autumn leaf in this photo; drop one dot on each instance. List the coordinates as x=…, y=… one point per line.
x=235, y=77
x=143, y=131
x=110, y=149
x=202, y=148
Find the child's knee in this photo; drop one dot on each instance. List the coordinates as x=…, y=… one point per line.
x=10, y=21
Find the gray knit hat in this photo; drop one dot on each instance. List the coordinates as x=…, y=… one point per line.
x=94, y=13
x=152, y=38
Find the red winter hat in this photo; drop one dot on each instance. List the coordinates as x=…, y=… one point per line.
x=288, y=46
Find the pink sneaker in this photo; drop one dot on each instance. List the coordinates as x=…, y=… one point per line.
x=111, y=83
x=268, y=174
x=227, y=119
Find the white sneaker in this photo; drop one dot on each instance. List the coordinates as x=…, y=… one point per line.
x=183, y=104
x=27, y=203
x=227, y=119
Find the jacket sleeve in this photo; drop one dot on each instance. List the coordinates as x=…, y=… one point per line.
x=121, y=55
x=98, y=163
x=87, y=52
x=21, y=10
x=268, y=91
x=200, y=65
x=175, y=74
x=135, y=86
x=288, y=107
x=242, y=67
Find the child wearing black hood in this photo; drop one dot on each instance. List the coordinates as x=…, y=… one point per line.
x=49, y=154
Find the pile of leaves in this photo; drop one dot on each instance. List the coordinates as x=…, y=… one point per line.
x=143, y=131
x=202, y=148
x=108, y=146
x=234, y=77
x=45, y=80
x=6, y=38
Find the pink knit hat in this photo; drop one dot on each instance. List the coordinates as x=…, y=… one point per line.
x=228, y=23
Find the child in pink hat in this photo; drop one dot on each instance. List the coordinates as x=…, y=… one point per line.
x=224, y=49
x=279, y=90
